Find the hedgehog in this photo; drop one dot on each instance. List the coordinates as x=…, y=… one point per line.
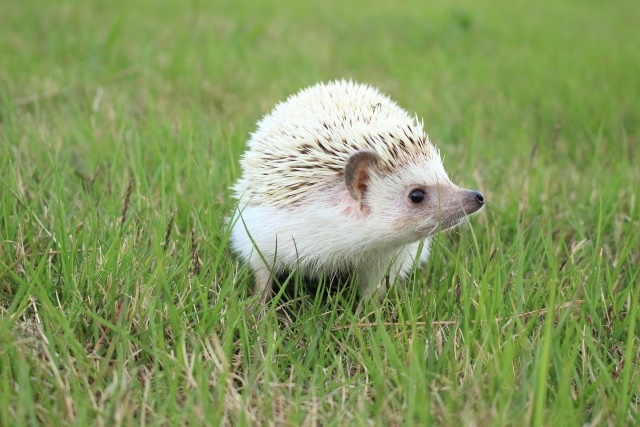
x=339, y=178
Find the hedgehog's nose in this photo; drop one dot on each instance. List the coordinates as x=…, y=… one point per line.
x=479, y=197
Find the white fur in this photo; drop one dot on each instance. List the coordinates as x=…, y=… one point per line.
x=320, y=238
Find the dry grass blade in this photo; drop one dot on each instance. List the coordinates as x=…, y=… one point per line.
x=167, y=234
x=196, y=262
x=127, y=198
x=535, y=313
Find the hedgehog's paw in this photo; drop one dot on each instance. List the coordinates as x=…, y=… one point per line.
x=262, y=289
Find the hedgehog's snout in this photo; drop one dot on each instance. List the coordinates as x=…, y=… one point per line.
x=472, y=201
x=479, y=197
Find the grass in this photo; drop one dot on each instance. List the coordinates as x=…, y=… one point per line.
x=121, y=304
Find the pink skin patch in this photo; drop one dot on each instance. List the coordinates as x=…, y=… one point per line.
x=349, y=207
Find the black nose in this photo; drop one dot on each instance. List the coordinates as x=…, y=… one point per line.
x=479, y=197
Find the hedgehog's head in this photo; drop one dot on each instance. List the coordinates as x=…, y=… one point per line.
x=409, y=201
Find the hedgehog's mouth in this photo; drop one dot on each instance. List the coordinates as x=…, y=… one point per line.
x=442, y=225
x=450, y=223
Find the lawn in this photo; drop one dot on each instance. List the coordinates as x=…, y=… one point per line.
x=121, y=126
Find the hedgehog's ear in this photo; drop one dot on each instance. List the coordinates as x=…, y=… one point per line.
x=357, y=172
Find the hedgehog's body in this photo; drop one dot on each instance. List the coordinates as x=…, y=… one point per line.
x=339, y=178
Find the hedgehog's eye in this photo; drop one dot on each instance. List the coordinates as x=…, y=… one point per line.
x=416, y=196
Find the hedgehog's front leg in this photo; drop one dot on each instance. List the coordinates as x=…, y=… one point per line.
x=374, y=282
x=263, y=278
x=376, y=279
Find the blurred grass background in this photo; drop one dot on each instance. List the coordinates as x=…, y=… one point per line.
x=121, y=124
